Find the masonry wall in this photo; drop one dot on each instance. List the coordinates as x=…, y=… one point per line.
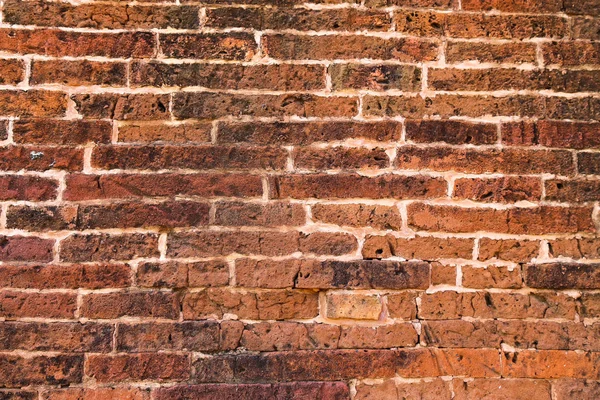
x=255, y=199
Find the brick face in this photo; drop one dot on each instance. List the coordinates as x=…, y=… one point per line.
x=290, y=199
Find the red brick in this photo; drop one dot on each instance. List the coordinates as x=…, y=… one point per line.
x=100, y=16
x=499, y=190
x=452, y=132
x=292, y=391
x=207, y=105
x=532, y=221
x=297, y=133
x=59, y=43
x=443, y=274
x=223, y=46
x=420, y=247
x=18, y=394
x=230, y=76
x=125, y=215
x=59, y=336
x=358, y=215
x=25, y=249
x=357, y=306
x=402, y=305
x=78, y=73
x=509, y=161
x=288, y=336
x=509, y=52
x=571, y=389
x=378, y=77
x=342, y=19
x=130, y=304
x=549, y=6
x=29, y=188
x=548, y=364
x=37, y=305
x=563, y=276
x=272, y=304
x=341, y=186
x=259, y=214
x=573, y=135
x=40, y=158
x=492, y=276
x=11, y=71
x=452, y=305
x=436, y=389
x=106, y=393
x=516, y=389
x=105, y=247
x=123, y=106
x=192, y=132
x=172, y=274
x=319, y=159
x=585, y=28
x=363, y=274
x=571, y=53
x=450, y=4
x=61, y=132
x=180, y=336
x=89, y=187
x=65, y=276
x=324, y=243
x=269, y=274
x=160, y=367
x=519, y=251
x=330, y=47
x=40, y=370
x=588, y=163
x=32, y=103
x=575, y=248
x=590, y=305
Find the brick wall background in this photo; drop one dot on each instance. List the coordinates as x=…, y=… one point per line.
x=255, y=199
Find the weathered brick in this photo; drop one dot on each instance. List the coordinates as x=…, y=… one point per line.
x=89, y=187
x=29, y=188
x=65, y=276
x=41, y=370
x=269, y=274
x=78, y=73
x=472, y=25
x=402, y=305
x=342, y=19
x=452, y=305
x=571, y=53
x=590, y=305
x=549, y=6
x=358, y=215
x=435, y=389
x=17, y=394
x=353, y=306
x=548, y=364
x=206, y=105
x=105, y=247
x=292, y=391
x=323, y=243
x=40, y=158
x=452, y=132
x=533, y=221
x=273, y=304
x=223, y=46
x=100, y=16
x=363, y=274
x=230, y=76
x=585, y=28
x=572, y=191
x=59, y=336
x=172, y=274
x=37, y=305
x=420, y=247
x=100, y=393
x=379, y=77
x=131, y=304
x=61, y=132
x=573, y=135
x=443, y=274
x=25, y=249
x=59, y=43
x=180, y=336
x=341, y=186
x=193, y=132
x=123, y=106
x=449, y=4
x=509, y=52
x=492, y=276
x=319, y=159
x=330, y=47
x=499, y=190
x=161, y=367
x=259, y=214
x=298, y=133
x=510, y=161
x=571, y=389
x=11, y=71
x=519, y=251
x=517, y=389
x=33, y=103
x=563, y=276
x=575, y=248
x=125, y=215
x=588, y=163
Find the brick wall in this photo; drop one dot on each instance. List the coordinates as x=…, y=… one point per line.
x=255, y=199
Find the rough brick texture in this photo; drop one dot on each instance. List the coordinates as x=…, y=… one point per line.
x=300, y=199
